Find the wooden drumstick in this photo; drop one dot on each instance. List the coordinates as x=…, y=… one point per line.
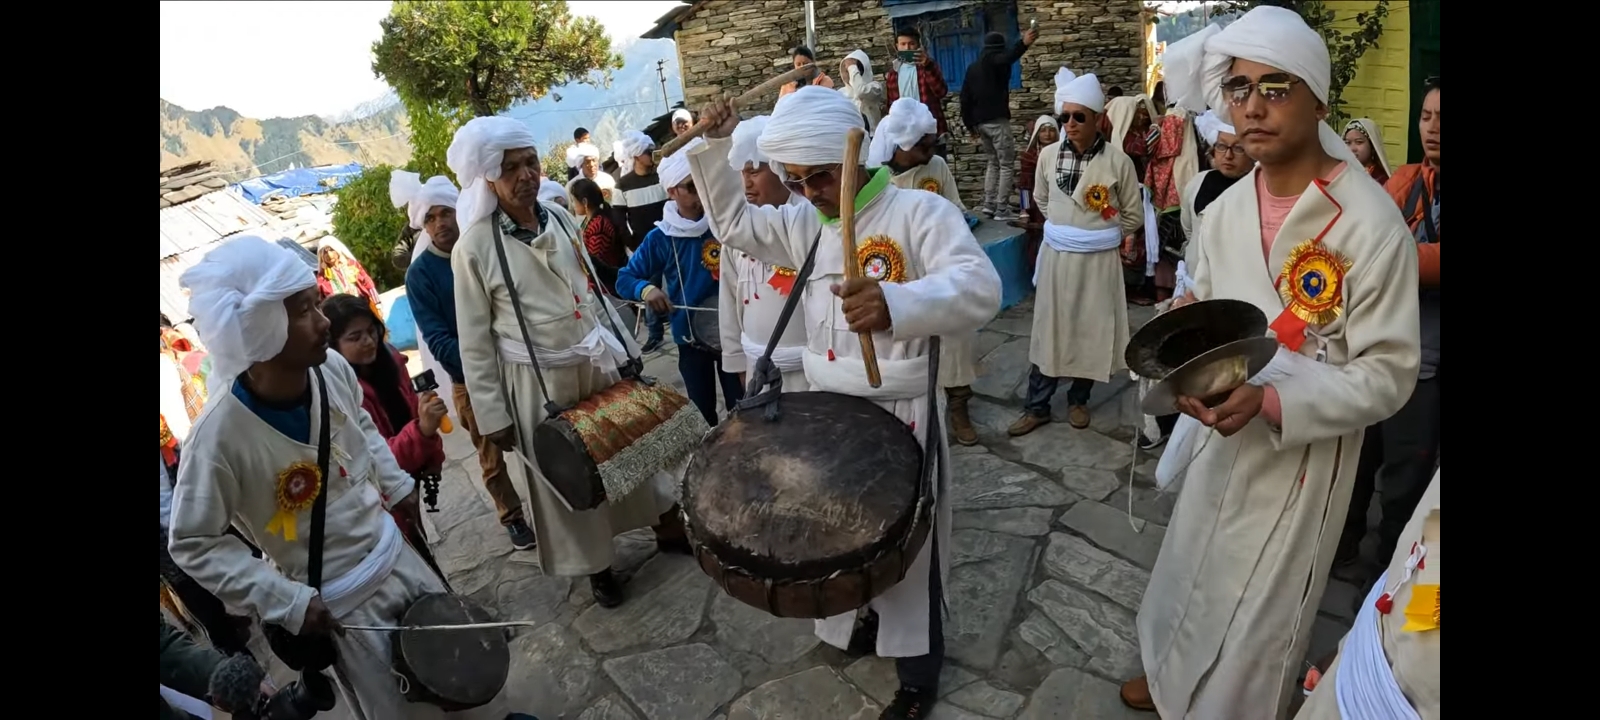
x=803, y=73
x=847, y=230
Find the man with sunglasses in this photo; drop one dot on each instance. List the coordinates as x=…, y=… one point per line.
x=1089, y=193
x=923, y=276
x=1317, y=246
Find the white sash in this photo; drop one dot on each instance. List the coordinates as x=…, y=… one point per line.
x=785, y=358
x=599, y=348
x=902, y=379
x=347, y=592
x=1365, y=685
x=1069, y=239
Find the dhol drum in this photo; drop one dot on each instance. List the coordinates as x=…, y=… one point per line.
x=453, y=669
x=811, y=514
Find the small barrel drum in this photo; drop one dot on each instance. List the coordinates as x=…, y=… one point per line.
x=812, y=514
x=452, y=669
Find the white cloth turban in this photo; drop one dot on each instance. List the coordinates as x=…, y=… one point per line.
x=744, y=150
x=808, y=127
x=551, y=191
x=576, y=154
x=908, y=120
x=632, y=145
x=1196, y=66
x=474, y=156
x=1211, y=125
x=681, y=114
x=674, y=169
x=236, y=295
x=1079, y=90
x=407, y=191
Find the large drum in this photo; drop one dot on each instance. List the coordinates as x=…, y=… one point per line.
x=453, y=669
x=812, y=514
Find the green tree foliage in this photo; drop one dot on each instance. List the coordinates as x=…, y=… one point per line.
x=366, y=221
x=487, y=55
x=433, y=126
x=555, y=162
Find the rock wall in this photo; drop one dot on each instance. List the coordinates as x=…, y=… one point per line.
x=730, y=46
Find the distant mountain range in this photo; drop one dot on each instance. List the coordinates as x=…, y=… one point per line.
x=375, y=132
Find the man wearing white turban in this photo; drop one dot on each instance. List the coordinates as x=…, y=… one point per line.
x=682, y=251
x=589, y=167
x=251, y=463
x=1224, y=625
x=753, y=292
x=923, y=275
x=1089, y=194
x=577, y=351
x=642, y=199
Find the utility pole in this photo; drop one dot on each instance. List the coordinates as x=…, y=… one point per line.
x=811, y=25
x=661, y=74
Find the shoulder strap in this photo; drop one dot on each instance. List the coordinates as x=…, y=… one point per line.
x=319, y=507
x=1421, y=202
x=635, y=366
x=550, y=407
x=765, y=374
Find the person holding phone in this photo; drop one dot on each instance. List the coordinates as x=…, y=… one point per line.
x=915, y=75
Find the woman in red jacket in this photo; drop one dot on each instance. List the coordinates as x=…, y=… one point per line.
x=410, y=423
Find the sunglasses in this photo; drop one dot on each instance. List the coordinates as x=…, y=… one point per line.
x=1076, y=117
x=816, y=181
x=688, y=187
x=1272, y=88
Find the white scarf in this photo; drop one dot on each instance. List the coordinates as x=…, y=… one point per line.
x=674, y=225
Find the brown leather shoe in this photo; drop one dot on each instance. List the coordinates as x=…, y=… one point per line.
x=1136, y=694
x=960, y=420
x=1078, y=416
x=1026, y=424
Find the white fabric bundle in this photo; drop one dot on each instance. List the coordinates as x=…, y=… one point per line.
x=681, y=114
x=632, y=145
x=236, y=295
x=908, y=120
x=808, y=128
x=1211, y=125
x=745, y=135
x=406, y=190
x=1079, y=90
x=1195, y=67
x=474, y=156
x=1042, y=121
x=576, y=154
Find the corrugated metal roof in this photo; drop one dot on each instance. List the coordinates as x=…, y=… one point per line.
x=206, y=219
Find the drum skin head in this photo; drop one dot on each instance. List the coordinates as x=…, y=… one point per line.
x=454, y=669
x=1176, y=337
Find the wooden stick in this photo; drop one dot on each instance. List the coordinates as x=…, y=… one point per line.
x=803, y=73
x=847, y=230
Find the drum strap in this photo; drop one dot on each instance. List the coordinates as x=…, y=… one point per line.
x=313, y=652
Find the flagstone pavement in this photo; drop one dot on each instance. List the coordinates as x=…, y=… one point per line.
x=1048, y=568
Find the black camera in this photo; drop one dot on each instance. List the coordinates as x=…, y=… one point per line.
x=299, y=700
x=236, y=686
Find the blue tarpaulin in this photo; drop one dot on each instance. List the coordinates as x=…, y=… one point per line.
x=297, y=182
x=401, y=324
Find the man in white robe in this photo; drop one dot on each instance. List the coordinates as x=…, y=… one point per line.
x=905, y=143
x=1090, y=196
x=577, y=349
x=923, y=275
x=1318, y=247
x=753, y=292
x=250, y=455
x=589, y=167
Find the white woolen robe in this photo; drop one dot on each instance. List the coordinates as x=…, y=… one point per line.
x=957, y=366
x=1080, y=311
x=549, y=276
x=748, y=306
x=229, y=477
x=1225, y=622
x=1413, y=657
x=950, y=287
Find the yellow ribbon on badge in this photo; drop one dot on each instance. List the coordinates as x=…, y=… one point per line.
x=298, y=487
x=1422, y=613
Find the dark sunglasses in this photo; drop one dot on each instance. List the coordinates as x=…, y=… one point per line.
x=816, y=181
x=688, y=187
x=1273, y=88
x=1077, y=117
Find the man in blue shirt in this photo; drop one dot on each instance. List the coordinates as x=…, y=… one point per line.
x=430, y=287
x=681, y=251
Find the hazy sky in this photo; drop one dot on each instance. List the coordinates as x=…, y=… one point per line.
x=283, y=59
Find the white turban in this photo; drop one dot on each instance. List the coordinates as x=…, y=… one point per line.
x=406, y=190
x=1211, y=125
x=1079, y=90
x=744, y=150
x=908, y=120
x=632, y=145
x=681, y=114
x=674, y=169
x=551, y=191
x=576, y=154
x=808, y=127
x=475, y=154
x=1196, y=66
x=236, y=295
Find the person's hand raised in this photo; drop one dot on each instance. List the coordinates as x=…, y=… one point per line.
x=722, y=117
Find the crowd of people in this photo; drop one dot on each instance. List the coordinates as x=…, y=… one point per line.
x=524, y=299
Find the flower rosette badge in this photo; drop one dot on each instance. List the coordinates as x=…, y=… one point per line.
x=1098, y=199
x=931, y=185
x=882, y=260
x=298, y=486
x=711, y=258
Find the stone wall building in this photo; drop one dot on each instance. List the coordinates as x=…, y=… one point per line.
x=728, y=46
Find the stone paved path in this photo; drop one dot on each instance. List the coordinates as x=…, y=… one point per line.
x=1048, y=569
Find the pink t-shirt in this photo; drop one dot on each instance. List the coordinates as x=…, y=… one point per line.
x=1274, y=210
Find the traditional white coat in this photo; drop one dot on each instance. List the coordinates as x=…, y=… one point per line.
x=578, y=356
x=370, y=575
x=957, y=366
x=1080, y=312
x=1225, y=622
x=748, y=307
x=949, y=287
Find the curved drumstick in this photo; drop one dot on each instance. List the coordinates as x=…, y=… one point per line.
x=804, y=73
x=847, y=230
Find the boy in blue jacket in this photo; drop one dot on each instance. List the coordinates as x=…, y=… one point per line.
x=681, y=251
